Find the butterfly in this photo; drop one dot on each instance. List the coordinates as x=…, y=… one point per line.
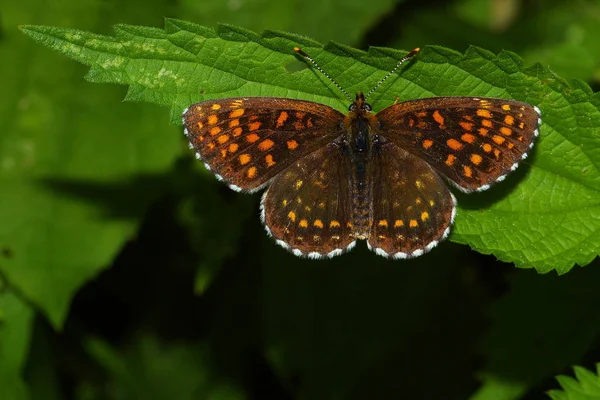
x=333, y=178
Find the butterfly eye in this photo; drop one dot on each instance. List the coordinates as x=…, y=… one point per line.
x=352, y=107
x=367, y=107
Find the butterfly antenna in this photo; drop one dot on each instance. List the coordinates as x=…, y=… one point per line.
x=402, y=61
x=314, y=63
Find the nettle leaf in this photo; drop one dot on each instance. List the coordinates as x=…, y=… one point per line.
x=585, y=385
x=76, y=175
x=546, y=216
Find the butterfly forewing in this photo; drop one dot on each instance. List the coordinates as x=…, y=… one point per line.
x=307, y=207
x=474, y=142
x=248, y=141
x=412, y=207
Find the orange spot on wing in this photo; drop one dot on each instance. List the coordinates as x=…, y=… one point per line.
x=252, y=126
x=424, y=216
x=269, y=160
x=438, y=117
x=487, y=123
x=413, y=223
x=237, y=131
x=237, y=113
x=497, y=153
x=212, y=119
x=266, y=144
x=383, y=223
x=233, y=147
x=215, y=130
x=467, y=126
x=399, y=223
x=292, y=216
x=467, y=171
x=223, y=139
x=498, y=139
x=450, y=160
x=509, y=120
x=484, y=113
x=251, y=173
x=486, y=147
x=468, y=138
x=506, y=131
x=216, y=107
x=253, y=137
x=483, y=131
x=334, y=224
x=283, y=116
x=234, y=122
x=303, y=223
x=292, y=144
x=245, y=158
x=476, y=159
x=506, y=107
x=318, y=223
x=200, y=125
x=454, y=144
x=427, y=143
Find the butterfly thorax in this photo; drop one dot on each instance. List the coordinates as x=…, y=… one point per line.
x=359, y=143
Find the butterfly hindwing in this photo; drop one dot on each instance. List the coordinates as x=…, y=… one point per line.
x=247, y=141
x=413, y=208
x=474, y=142
x=307, y=208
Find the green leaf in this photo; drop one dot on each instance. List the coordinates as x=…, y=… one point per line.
x=546, y=216
x=339, y=20
x=16, y=320
x=585, y=386
x=149, y=369
x=546, y=323
x=70, y=173
x=565, y=38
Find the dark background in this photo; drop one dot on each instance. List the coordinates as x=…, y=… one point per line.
x=188, y=298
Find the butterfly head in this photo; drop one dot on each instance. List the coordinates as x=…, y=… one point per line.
x=359, y=123
x=359, y=106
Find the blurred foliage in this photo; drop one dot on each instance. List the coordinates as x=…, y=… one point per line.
x=127, y=271
x=585, y=386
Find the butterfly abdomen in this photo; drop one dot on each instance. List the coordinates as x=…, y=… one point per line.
x=361, y=200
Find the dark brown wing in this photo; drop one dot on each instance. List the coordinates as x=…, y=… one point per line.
x=474, y=142
x=413, y=208
x=308, y=208
x=246, y=141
